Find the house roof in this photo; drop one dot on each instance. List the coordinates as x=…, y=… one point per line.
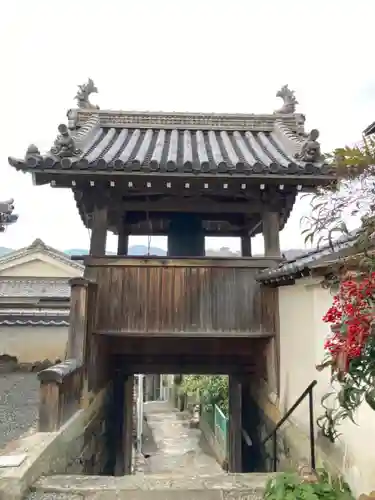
x=303, y=265
x=118, y=142
x=39, y=246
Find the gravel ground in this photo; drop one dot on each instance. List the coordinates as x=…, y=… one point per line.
x=19, y=399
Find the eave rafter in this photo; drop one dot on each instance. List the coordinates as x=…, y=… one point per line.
x=223, y=215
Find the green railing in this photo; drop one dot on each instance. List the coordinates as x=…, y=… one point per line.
x=218, y=424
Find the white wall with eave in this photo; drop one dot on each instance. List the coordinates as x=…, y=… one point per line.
x=34, y=343
x=302, y=336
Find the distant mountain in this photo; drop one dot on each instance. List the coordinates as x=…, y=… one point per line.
x=143, y=250
x=133, y=250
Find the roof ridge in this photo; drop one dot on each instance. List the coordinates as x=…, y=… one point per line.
x=79, y=118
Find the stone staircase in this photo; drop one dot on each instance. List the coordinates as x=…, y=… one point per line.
x=150, y=487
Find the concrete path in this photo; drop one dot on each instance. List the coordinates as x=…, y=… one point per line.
x=173, y=446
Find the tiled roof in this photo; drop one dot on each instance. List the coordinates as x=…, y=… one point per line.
x=34, y=317
x=53, y=288
x=178, y=142
x=309, y=260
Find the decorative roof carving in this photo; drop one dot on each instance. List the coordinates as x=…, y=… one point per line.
x=7, y=216
x=32, y=152
x=290, y=101
x=38, y=243
x=64, y=145
x=186, y=121
x=72, y=115
x=310, y=150
x=83, y=94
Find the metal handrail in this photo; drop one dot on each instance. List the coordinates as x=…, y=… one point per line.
x=307, y=392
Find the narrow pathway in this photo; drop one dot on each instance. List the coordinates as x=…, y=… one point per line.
x=172, y=445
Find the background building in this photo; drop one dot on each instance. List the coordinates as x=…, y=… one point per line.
x=34, y=302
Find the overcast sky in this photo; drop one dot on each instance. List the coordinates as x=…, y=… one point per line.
x=192, y=55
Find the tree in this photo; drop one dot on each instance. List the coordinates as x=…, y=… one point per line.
x=350, y=347
x=211, y=389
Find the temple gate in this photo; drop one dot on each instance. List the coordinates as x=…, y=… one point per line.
x=185, y=176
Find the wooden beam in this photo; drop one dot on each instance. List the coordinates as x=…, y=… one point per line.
x=99, y=231
x=140, y=217
x=188, y=363
x=241, y=347
x=221, y=368
x=271, y=230
x=216, y=334
x=235, y=425
x=222, y=262
x=64, y=178
x=192, y=205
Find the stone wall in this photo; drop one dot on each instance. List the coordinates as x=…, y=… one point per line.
x=88, y=452
x=216, y=446
x=79, y=447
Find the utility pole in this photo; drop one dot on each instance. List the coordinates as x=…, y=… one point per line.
x=7, y=216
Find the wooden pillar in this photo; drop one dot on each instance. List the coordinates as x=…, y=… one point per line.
x=235, y=425
x=99, y=231
x=77, y=336
x=123, y=239
x=246, y=245
x=116, y=446
x=271, y=229
x=128, y=423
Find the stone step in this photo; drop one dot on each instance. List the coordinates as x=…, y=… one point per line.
x=39, y=495
x=151, y=487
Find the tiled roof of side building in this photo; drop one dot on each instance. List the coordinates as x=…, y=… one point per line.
x=310, y=259
x=144, y=142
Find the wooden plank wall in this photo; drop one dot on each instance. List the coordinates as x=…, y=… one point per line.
x=171, y=299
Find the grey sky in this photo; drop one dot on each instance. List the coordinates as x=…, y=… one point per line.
x=193, y=55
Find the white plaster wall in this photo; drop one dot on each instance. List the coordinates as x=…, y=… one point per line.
x=33, y=343
x=302, y=336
